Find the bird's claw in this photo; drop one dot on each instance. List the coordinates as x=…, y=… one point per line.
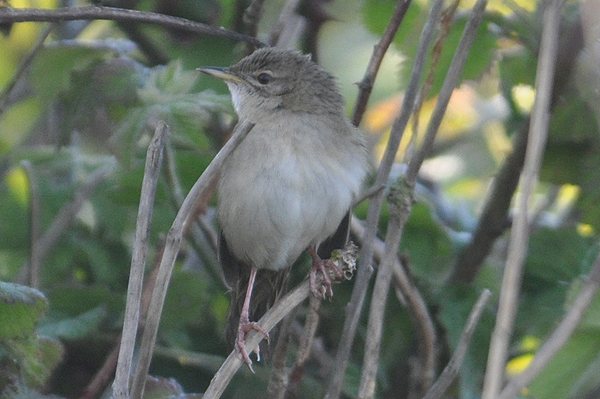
x=244, y=327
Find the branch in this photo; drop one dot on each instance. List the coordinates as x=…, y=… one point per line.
x=67, y=213
x=365, y=270
x=494, y=218
x=154, y=157
x=172, y=245
x=304, y=347
x=401, y=199
x=519, y=238
x=119, y=14
x=399, y=207
x=285, y=20
x=345, y=261
x=453, y=366
x=365, y=86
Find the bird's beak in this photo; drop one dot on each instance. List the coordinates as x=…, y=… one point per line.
x=220, y=73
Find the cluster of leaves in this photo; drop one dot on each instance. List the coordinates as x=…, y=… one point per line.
x=87, y=105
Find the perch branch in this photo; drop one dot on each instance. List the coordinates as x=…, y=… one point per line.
x=345, y=262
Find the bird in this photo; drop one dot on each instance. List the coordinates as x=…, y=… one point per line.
x=290, y=185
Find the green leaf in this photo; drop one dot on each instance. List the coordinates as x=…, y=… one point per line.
x=427, y=243
x=52, y=68
x=21, y=308
x=556, y=255
x=76, y=327
x=558, y=380
x=36, y=357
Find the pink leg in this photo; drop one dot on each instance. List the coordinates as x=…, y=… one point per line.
x=320, y=265
x=245, y=324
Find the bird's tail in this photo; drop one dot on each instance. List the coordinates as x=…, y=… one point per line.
x=269, y=286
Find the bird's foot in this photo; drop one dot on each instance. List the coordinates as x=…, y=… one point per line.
x=320, y=266
x=244, y=327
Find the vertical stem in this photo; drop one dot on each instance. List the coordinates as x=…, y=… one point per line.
x=354, y=307
x=519, y=238
x=154, y=157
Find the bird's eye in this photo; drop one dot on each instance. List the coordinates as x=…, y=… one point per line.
x=264, y=78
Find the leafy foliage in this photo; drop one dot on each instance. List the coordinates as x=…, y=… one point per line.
x=92, y=103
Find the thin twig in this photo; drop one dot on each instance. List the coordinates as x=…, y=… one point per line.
x=400, y=203
x=451, y=370
x=450, y=82
x=494, y=217
x=119, y=14
x=68, y=213
x=173, y=243
x=203, y=235
x=252, y=16
x=284, y=21
x=306, y=341
x=365, y=86
x=519, y=237
x=559, y=337
x=436, y=53
x=365, y=270
x=278, y=377
x=399, y=213
x=154, y=157
x=495, y=220
x=102, y=377
x=8, y=88
x=35, y=262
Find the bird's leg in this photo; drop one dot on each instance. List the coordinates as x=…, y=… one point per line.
x=245, y=323
x=320, y=265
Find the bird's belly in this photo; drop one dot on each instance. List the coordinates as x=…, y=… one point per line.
x=282, y=209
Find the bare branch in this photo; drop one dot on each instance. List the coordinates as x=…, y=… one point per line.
x=172, y=245
x=450, y=82
x=119, y=14
x=400, y=204
x=366, y=84
x=252, y=16
x=559, y=337
x=451, y=370
x=154, y=157
x=67, y=213
x=399, y=212
x=306, y=342
x=494, y=220
x=284, y=21
x=8, y=88
x=365, y=270
x=102, y=377
x=519, y=238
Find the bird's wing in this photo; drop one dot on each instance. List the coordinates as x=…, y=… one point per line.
x=337, y=240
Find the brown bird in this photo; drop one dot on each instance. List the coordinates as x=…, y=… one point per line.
x=290, y=184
